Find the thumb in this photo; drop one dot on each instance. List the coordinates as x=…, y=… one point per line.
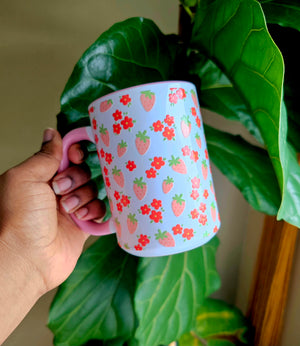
x=44, y=164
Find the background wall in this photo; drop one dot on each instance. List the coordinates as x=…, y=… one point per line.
x=40, y=42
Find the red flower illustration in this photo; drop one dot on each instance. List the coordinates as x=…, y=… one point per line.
x=94, y=122
x=91, y=110
x=205, y=194
x=215, y=229
x=144, y=240
x=117, y=115
x=195, y=194
x=125, y=200
x=188, y=233
x=107, y=182
x=145, y=209
x=102, y=153
x=108, y=158
x=155, y=216
x=169, y=120
x=177, y=229
x=116, y=195
x=169, y=133
x=173, y=98
x=156, y=204
x=127, y=123
x=202, y=207
x=138, y=247
x=131, y=165
x=119, y=207
x=151, y=173
x=96, y=139
x=105, y=170
x=206, y=154
x=125, y=99
x=203, y=219
x=194, y=214
x=195, y=183
x=186, y=151
x=158, y=126
x=158, y=162
x=194, y=112
x=198, y=121
x=194, y=156
x=117, y=128
x=181, y=93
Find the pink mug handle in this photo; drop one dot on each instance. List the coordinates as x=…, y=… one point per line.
x=74, y=136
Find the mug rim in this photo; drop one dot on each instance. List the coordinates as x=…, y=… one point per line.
x=141, y=85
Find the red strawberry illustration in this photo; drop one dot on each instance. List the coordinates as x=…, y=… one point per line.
x=195, y=99
x=122, y=148
x=142, y=142
x=198, y=140
x=178, y=204
x=168, y=184
x=213, y=212
x=165, y=238
x=147, y=100
x=139, y=188
x=177, y=165
x=204, y=169
x=118, y=227
x=105, y=105
x=118, y=176
x=104, y=134
x=132, y=223
x=185, y=126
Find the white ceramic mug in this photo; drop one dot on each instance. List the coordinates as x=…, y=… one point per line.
x=154, y=161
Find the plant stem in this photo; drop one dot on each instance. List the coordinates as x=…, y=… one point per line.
x=189, y=12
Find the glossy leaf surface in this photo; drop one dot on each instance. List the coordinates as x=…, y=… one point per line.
x=131, y=52
x=169, y=291
x=282, y=12
x=248, y=167
x=96, y=301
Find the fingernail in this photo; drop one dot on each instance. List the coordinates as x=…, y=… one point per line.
x=70, y=203
x=61, y=185
x=81, y=213
x=48, y=135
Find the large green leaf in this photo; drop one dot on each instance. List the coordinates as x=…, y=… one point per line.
x=170, y=290
x=131, y=52
x=248, y=167
x=218, y=324
x=96, y=301
x=283, y=12
x=234, y=35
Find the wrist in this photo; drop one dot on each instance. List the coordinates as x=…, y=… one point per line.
x=21, y=275
x=20, y=288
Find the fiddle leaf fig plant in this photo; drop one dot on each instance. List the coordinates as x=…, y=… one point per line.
x=230, y=52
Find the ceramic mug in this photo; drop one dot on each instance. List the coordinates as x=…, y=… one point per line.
x=155, y=165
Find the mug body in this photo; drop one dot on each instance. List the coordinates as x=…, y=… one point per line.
x=155, y=165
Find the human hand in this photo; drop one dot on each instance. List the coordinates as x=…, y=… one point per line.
x=34, y=222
